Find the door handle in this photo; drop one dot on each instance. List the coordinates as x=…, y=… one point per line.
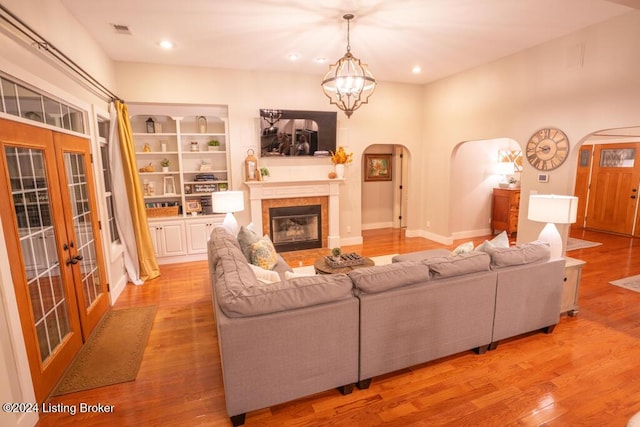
x=74, y=259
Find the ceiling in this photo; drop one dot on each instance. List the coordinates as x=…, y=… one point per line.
x=443, y=37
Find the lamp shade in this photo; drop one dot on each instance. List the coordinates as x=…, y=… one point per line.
x=227, y=201
x=553, y=208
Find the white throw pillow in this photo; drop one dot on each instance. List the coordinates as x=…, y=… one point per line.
x=500, y=241
x=463, y=249
x=291, y=275
x=265, y=276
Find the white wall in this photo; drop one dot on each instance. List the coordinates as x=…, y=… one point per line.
x=245, y=92
x=549, y=85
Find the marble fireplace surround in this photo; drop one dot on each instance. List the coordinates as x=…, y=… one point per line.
x=298, y=193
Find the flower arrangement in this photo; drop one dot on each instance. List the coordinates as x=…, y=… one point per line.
x=341, y=157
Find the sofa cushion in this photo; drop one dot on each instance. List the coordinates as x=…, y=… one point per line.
x=263, y=253
x=382, y=277
x=456, y=265
x=518, y=255
x=221, y=242
x=281, y=296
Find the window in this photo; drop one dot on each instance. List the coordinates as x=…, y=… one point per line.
x=103, y=134
x=618, y=158
x=27, y=102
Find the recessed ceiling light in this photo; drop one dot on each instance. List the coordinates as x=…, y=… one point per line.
x=293, y=57
x=320, y=60
x=166, y=44
x=416, y=69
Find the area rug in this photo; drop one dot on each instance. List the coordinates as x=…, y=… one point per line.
x=631, y=283
x=113, y=352
x=378, y=260
x=573, y=244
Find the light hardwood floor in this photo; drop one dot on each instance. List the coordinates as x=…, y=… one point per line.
x=586, y=373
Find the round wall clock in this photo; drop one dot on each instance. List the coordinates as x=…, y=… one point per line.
x=547, y=149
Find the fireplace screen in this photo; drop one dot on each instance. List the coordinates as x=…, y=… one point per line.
x=295, y=227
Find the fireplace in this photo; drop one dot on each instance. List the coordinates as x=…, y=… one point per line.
x=294, y=228
x=325, y=192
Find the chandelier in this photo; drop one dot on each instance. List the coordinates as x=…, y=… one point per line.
x=348, y=83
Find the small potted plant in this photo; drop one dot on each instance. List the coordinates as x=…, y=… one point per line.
x=264, y=173
x=513, y=183
x=213, y=145
x=335, y=253
x=165, y=164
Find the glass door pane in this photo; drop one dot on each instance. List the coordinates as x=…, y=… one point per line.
x=83, y=217
x=48, y=298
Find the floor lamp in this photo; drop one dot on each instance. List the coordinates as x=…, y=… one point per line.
x=553, y=210
x=228, y=202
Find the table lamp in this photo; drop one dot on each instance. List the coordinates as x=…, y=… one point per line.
x=504, y=169
x=228, y=202
x=553, y=210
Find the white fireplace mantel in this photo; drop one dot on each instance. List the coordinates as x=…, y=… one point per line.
x=260, y=190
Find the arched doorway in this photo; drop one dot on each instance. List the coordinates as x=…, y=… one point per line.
x=385, y=171
x=474, y=174
x=607, y=181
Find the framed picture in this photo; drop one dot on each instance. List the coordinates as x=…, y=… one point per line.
x=377, y=167
x=193, y=206
x=543, y=177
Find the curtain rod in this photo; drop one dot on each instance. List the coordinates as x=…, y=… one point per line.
x=42, y=44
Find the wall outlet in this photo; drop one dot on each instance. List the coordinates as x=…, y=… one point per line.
x=428, y=224
x=348, y=229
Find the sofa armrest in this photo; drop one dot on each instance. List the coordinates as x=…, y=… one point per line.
x=528, y=298
x=274, y=358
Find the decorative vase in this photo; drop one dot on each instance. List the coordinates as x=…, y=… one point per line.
x=165, y=169
x=214, y=147
x=340, y=170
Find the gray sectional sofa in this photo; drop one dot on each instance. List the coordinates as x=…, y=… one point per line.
x=298, y=336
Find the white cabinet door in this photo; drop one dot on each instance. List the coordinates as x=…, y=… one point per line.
x=172, y=239
x=197, y=236
x=168, y=238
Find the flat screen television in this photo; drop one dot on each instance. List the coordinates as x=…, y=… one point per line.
x=292, y=133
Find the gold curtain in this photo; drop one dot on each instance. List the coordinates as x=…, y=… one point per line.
x=148, y=264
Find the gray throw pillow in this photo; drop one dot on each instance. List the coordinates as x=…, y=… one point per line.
x=518, y=255
x=457, y=265
x=247, y=237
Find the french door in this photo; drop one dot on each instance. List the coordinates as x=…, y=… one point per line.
x=52, y=235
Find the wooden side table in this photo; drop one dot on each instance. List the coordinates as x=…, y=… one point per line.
x=571, y=286
x=505, y=208
x=322, y=267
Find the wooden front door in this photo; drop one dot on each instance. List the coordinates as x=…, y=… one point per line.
x=51, y=231
x=613, y=194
